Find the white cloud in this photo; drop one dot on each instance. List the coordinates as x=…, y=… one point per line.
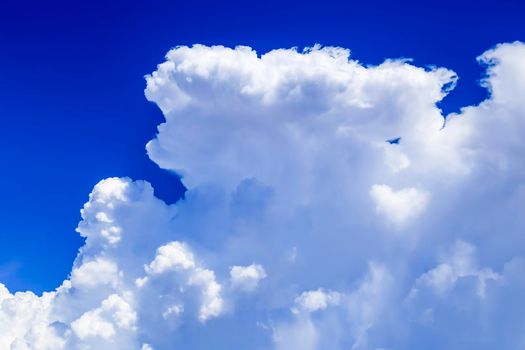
x=313, y=109
x=505, y=73
x=460, y=263
x=104, y=321
x=286, y=163
x=339, y=316
x=172, y=256
x=399, y=206
x=25, y=321
x=176, y=256
x=246, y=277
x=315, y=300
x=93, y=273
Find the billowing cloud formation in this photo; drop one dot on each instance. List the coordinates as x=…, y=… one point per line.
x=329, y=206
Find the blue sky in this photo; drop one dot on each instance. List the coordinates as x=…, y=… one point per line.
x=74, y=112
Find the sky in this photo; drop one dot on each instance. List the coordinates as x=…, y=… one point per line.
x=301, y=227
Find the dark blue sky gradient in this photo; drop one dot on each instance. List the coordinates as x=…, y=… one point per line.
x=71, y=91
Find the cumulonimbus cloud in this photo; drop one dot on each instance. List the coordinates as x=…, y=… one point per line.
x=327, y=208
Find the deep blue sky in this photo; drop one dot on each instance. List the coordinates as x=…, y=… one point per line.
x=71, y=91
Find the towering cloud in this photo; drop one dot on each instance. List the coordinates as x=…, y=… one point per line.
x=330, y=205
